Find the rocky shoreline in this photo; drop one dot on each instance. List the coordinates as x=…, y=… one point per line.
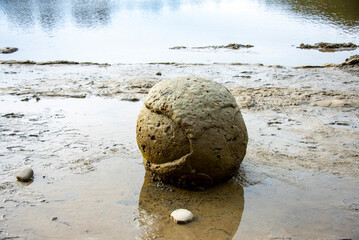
x=330, y=47
x=231, y=46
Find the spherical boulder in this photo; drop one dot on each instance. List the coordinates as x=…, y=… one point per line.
x=191, y=132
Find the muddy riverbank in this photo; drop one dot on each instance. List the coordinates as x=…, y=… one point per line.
x=74, y=124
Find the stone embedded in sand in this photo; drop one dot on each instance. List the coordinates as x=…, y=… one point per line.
x=181, y=216
x=191, y=132
x=25, y=175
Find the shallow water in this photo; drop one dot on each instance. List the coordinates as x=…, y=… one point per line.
x=142, y=31
x=114, y=199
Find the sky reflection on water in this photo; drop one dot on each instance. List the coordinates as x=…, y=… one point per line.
x=144, y=30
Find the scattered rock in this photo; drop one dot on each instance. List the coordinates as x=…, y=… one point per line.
x=25, y=175
x=65, y=62
x=308, y=66
x=7, y=50
x=131, y=99
x=339, y=123
x=338, y=103
x=329, y=65
x=13, y=115
x=182, y=216
x=191, y=132
x=322, y=103
x=25, y=99
x=351, y=61
x=17, y=62
x=53, y=218
x=351, y=65
x=10, y=72
x=58, y=62
x=158, y=74
x=324, y=46
x=178, y=47
x=233, y=46
x=332, y=103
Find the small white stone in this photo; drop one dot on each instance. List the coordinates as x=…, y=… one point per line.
x=25, y=175
x=181, y=216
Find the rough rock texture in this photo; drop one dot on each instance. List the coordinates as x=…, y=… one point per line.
x=351, y=65
x=323, y=46
x=351, y=61
x=191, y=132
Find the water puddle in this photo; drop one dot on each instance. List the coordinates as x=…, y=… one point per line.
x=90, y=184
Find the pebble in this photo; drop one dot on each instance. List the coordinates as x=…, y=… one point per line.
x=181, y=216
x=131, y=99
x=25, y=175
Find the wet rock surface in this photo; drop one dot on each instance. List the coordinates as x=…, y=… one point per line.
x=351, y=65
x=231, y=46
x=8, y=50
x=351, y=61
x=328, y=47
x=191, y=132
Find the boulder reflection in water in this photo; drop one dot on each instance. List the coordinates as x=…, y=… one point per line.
x=217, y=211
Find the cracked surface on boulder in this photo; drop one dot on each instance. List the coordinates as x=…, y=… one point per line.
x=191, y=132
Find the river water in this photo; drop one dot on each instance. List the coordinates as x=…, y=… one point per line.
x=143, y=31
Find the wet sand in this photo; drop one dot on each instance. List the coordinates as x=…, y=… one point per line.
x=74, y=124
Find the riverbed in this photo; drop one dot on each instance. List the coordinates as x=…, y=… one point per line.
x=74, y=124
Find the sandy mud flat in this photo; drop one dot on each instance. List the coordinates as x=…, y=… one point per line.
x=74, y=124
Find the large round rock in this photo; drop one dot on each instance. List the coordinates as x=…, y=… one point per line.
x=191, y=132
